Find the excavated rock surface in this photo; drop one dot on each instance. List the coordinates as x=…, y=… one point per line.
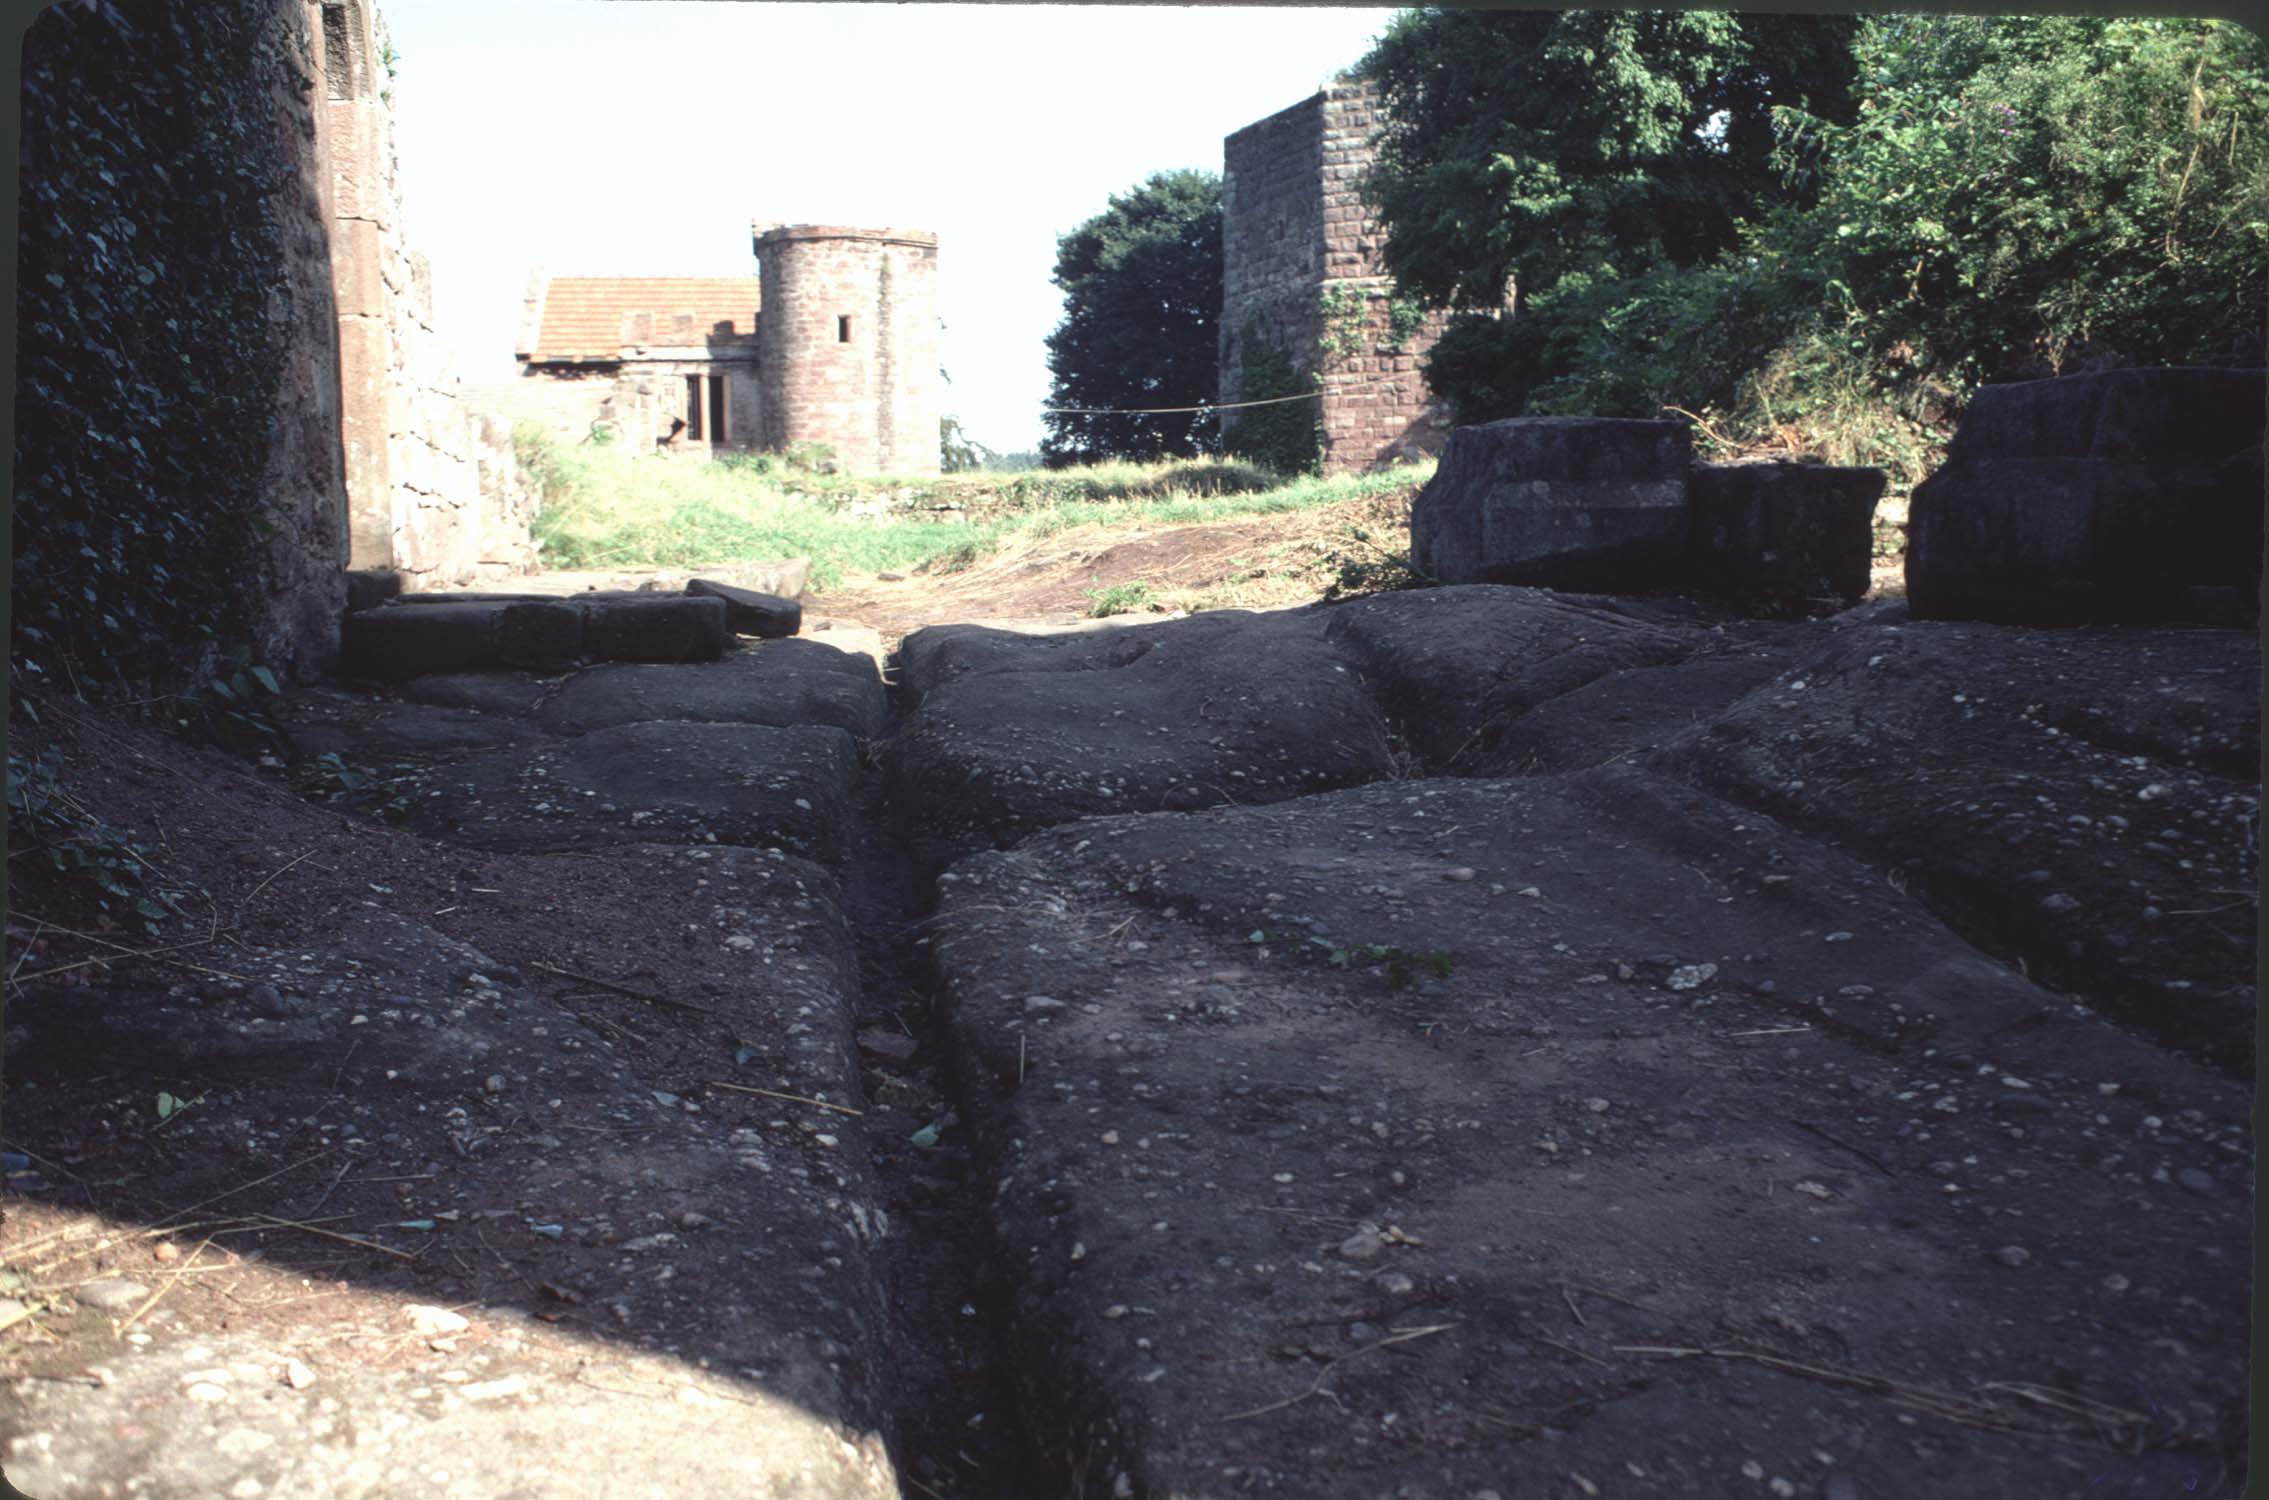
x=1014, y=734
x=1826, y=1079
x=422, y=1222
x=2076, y=800
x=1447, y=1136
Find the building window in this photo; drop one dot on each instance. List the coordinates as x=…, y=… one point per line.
x=843, y=329
x=717, y=410
x=693, y=408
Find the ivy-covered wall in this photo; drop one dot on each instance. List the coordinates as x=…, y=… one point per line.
x=178, y=487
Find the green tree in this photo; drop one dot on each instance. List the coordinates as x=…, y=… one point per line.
x=1142, y=292
x=2020, y=196
x=1522, y=147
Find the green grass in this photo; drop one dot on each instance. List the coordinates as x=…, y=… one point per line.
x=604, y=507
x=1118, y=599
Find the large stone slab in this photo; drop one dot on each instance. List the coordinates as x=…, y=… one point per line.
x=779, y=683
x=2157, y=415
x=1456, y=668
x=937, y=654
x=1632, y=711
x=322, y=723
x=2094, y=499
x=397, y=640
x=426, y=634
x=650, y=627
x=1780, y=533
x=752, y=611
x=1563, y=502
x=2077, y=800
x=1249, y=710
x=1453, y=1138
x=756, y=785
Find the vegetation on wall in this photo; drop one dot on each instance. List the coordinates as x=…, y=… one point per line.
x=1142, y=289
x=1284, y=437
x=1978, y=199
x=149, y=335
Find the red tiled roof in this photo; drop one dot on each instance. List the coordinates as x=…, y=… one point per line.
x=584, y=317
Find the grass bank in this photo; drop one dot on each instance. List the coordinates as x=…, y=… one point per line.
x=606, y=507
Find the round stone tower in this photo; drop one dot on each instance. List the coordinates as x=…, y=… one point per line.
x=848, y=338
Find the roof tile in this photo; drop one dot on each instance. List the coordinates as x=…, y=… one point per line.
x=593, y=317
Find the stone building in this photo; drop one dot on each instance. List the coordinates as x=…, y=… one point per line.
x=835, y=345
x=633, y=355
x=1302, y=276
x=433, y=491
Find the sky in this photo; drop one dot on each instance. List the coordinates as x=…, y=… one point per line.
x=640, y=137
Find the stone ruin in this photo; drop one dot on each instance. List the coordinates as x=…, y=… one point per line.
x=2119, y=497
x=841, y=352
x=434, y=491
x=1301, y=273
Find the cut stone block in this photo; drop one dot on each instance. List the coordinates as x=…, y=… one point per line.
x=2173, y=415
x=667, y=627
x=1560, y=502
x=367, y=588
x=2058, y=795
x=1435, y=1061
x=1783, y=533
x=751, y=612
x=2099, y=498
x=539, y=634
x=392, y=641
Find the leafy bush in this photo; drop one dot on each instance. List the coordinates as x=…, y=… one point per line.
x=1996, y=199
x=1286, y=437
x=44, y=817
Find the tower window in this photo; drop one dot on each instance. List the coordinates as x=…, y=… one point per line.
x=843, y=329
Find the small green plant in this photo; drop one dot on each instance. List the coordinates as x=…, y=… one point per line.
x=1346, y=309
x=330, y=779
x=1284, y=436
x=43, y=817
x=1403, y=967
x=1118, y=599
x=1405, y=316
x=1363, y=566
x=232, y=709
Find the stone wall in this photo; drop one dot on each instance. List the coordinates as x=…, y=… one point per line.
x=848, y=335
x=303, y=490
x=176, y=476
x=1301, y=269
x=414, y=453
x=1272, y=247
